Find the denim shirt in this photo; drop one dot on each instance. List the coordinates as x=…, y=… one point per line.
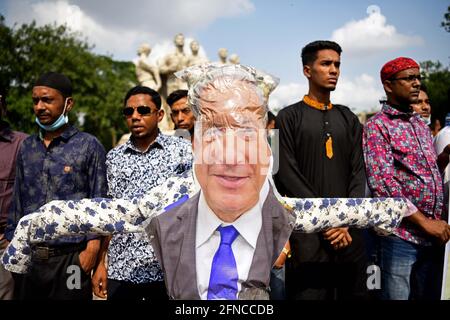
x=72, y=167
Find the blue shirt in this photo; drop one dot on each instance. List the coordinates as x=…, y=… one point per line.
x=72, y=167
x=131, y=173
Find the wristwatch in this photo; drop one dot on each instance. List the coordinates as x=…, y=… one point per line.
x=287, y=252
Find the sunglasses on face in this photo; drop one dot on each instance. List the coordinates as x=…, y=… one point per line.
x=142, y=110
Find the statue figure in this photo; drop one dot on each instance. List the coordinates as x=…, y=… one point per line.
x=234, y=59
x=195, y=58
x=223, y=53
x=147, y=74
x=172, y=63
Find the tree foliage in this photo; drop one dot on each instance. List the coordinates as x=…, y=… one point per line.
x=446, y=23
x=99, y=82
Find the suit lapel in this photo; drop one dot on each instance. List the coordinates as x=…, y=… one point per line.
x=277, y=225
x=177, y=229
x=185, y=280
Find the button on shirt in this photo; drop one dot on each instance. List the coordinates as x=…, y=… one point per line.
x=207, y=240
x=72, y=167
x=131, y=173
x=401, y=162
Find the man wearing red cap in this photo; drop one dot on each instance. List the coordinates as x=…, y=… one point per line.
x=401, y=162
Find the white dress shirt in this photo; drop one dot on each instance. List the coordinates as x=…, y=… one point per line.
x=207, y=240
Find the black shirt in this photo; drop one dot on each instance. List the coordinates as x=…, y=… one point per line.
x=304, y=168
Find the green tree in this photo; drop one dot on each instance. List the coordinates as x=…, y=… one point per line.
x=99, y=82
x=436, y=78
x=446, y=23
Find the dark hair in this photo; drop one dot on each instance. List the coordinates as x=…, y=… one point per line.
x=270, y=116
x=175, y=96
x=156, y=98
x=309, y=52
x=423, y=88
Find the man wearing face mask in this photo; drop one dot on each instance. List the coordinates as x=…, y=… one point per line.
x=62, y=163
x=422, y=107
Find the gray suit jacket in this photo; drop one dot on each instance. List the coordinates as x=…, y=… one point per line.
x=172, y=235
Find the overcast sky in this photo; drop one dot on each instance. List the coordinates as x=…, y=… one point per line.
x=265, y=34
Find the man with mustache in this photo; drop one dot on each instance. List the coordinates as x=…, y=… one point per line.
x=145, y=161
x=422, y=106
x=58, y=163
x=181, y=114
x=401, y=162
x=321, y=156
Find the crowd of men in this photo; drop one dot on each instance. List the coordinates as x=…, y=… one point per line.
x=234, y=239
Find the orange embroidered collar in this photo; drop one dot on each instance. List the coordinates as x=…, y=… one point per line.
x=315, y=104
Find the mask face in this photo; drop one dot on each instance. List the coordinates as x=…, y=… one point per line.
x=62, y=120
x=427, y=120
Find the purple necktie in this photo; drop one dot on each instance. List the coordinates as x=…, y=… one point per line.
x=224, y=276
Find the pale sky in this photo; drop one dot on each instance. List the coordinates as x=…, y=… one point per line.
x=267, y=35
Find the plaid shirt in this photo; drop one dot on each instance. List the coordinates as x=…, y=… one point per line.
x=401, y=162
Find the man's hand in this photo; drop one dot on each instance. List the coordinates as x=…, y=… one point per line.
x=280, y=261
x=339, y=237
x=283, y=256
x=88, y=257
x=100, y=281
x=438, y=229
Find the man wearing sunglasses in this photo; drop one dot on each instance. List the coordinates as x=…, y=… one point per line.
x=401, y=162
x=145, y=161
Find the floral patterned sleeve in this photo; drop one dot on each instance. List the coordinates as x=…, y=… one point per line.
x=110, y=216
x=102, y=216
x=318, y=214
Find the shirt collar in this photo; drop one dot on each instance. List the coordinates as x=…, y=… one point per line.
x=159, y=142
x=5, y=131
x=66, y=135
x=390, y=110
x=316, y=104
x=248, y=224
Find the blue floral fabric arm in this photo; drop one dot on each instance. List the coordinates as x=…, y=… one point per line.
x=101, y=216
x=319, y=214
x=110, y=216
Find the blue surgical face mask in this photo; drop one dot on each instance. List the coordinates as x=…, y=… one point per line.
x=427, y=120
x=62, y=120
